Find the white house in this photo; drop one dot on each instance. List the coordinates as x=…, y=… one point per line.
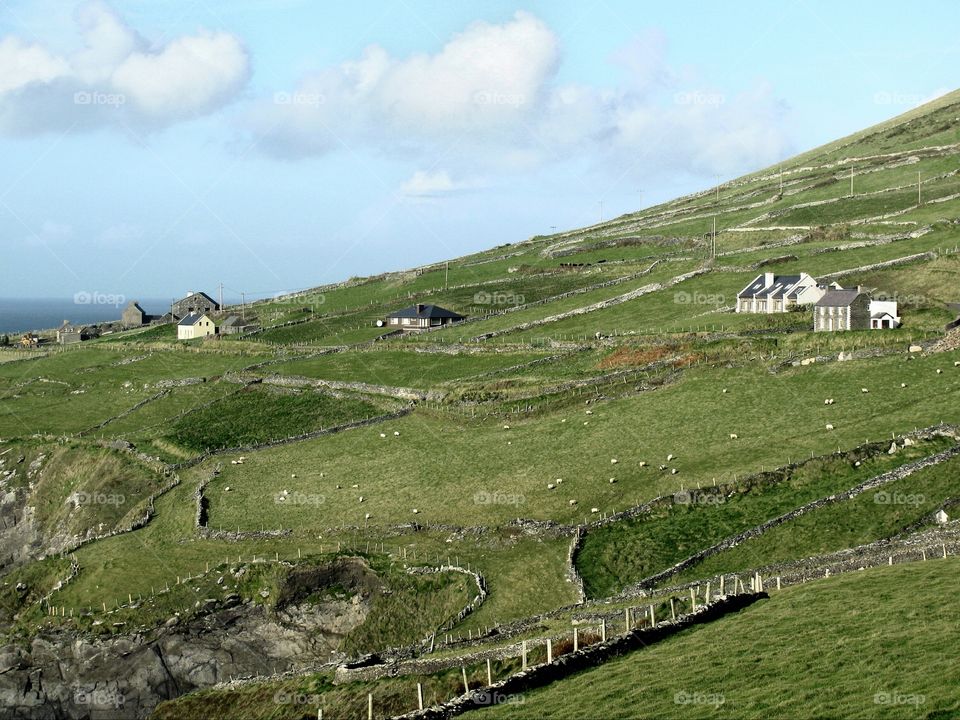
x=883, y=314
x=195, y=325
x=769, y=293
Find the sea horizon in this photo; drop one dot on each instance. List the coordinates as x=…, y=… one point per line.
x=20, y=315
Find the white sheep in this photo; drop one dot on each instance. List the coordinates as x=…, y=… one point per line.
x=589, y=412
x=550, y=486
x=612, y=480
x=361, y=498
x=669, y=457
x=293, y=475
x=573, y=502
x=674, y=471
x=227, y=489
x=643, y=463
x=396, y=433
x=724, y=391
x=355, y=486
x=416, y=512
x=594, y=510
x=956, y=363
x=903, y=385
x=939, y=371
x=733, y=436
x=367, y=516
x=829, y=426
x=864, y=390
x=506, y=427
x=559, y=481
x=383, y=435
x=613, y=461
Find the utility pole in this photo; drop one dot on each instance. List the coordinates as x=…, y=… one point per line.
x=446, y=277
x=718, y=188
x=851, y=182
x=553, y=228
x=919, y=199
x=714, y=237
x=781, y=179
x=221, y=297
x=243, y=305
x=601, y=211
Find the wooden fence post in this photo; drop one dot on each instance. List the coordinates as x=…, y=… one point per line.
x=489, y=672
x=524, y=649
x=466, y=685
x=626, y=620
x=603, y=631
x=419, y=696
x=549, y=650
x=576, y=639
x=673, y=610
x=369, y=706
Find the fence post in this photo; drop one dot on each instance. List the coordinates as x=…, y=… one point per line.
x=466, y=685
x=489, y=672
x=419, y=696
x=576, y=639
x=524, y=647
x=369, y=706
x=626, y=620
x=603, y=631
x=673, y=610
x=549, y=650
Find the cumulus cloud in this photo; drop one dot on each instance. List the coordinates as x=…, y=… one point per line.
x=116, y=75
x=490, y=100
x=433, y=183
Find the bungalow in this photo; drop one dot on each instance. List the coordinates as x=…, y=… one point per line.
x=769, y=293
x=422, y=317
x=883, y=314
x=195, y=325
x=133, y=316
x=842, y=310
x=194, y=302
x=68, y=334
x=235, y=325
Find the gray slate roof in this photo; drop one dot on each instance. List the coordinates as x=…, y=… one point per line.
x=190, y=319
x=427, y=311
x=838, y=298
x=759, y=287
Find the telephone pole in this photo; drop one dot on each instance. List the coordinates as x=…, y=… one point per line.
x=243, y=305
x=781, y=179
x=221, y=297
x=718, y=188
x=919, y=199
x=851, y=182
x=714, y=243
x=601, y=211
x=446, y=277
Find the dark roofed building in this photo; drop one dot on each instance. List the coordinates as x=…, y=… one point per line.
x=133, y=315
x=235, y=325
x=842, y=310
x=68, y=334
x=195, y=302
x=769, y=293
x=422, y=317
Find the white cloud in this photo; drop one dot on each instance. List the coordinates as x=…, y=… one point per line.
x=489, y=100
x=116, y=75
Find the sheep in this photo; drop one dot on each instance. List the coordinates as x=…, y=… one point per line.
x=956, y=363
x=573, y=502
x=674, y=471
x=829, y=426
x=227, y=489
x=506, y=427
x=416, y=512
x=338, y=487
x=354, y=486
x=550, y=486
x=663, y=467
x=233, y=462
x=559, y=481
x=361, y=498
x=734, y=436
x=293, y=475
x=724, y=391
x=383, y=435
x=939, y=371
x=643, y=463
x=864, y=390
x=613, y=461
x=903, y=385
x=586, y=422
x=669, y=457
x=396, y=433
x=594, y=510
x=828, y=401
x=367, y=516
x=589, y=412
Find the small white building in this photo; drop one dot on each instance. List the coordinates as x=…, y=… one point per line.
x=883, y=314
x=195, y=325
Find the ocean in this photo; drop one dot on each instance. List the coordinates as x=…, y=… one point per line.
x=17, y=316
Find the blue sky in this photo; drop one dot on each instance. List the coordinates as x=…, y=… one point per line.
x=148, y=148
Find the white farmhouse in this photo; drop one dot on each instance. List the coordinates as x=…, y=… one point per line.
x=195, y=325
x=769, y=293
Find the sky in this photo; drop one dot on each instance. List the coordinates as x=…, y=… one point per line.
x=151, y=147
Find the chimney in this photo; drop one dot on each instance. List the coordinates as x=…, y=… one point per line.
x=420, y=308
x=767, y=279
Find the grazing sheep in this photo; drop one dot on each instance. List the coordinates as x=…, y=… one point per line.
x=506, y=427
x=396, y=433
x=586, y=422
x=338, y=487
x=613, y=461
x=233, y=462
x=294, y=475
x=643, y=463
x=724, y=391
x=939, y=371
x=956, y=363
x=669, y=457
x=564, y=420
x=550, y=486
x=573, y=502
x=383, y=435
x=354, y=486
x=227, y=489
x=733, y=436
x=612, y=480
x=864, y=390
x=589, y=412
x=829, y=426
x=674, y=471
x=559, y=481
x=367, y=516
x=361, y=498
x=903, y=385
x=594, y=510
x=416, y=512
x=663, y=467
